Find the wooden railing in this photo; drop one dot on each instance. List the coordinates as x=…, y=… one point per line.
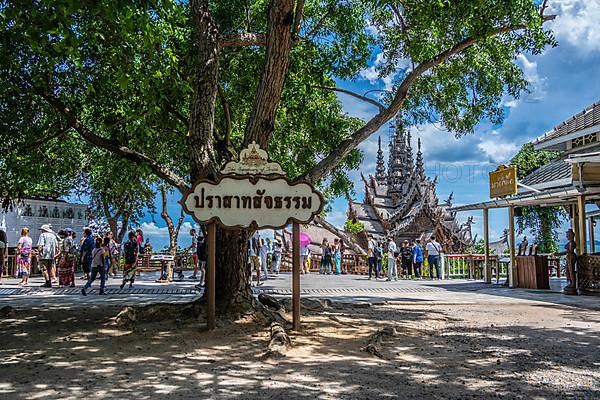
x=588, y=272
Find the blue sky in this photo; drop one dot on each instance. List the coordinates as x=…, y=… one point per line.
x=565, y=81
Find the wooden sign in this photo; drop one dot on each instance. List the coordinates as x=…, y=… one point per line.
x=503, y=181
x=253, y=192
x=260, y=202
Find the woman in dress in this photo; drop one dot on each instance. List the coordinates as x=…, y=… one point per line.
x=3, y=252
x=66, y=262
x=337, y=256
x=24, y=246
x=326, y=258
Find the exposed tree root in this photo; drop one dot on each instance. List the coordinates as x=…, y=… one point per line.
x=273, y=311
x=7, y=312
x=377, y=339
x=279, y=343
x=339, y=321
x=129, y=317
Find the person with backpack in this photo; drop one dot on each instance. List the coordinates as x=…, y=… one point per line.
x=407, y=260
x=98, y=266
x=417, y=258
x=131, y=251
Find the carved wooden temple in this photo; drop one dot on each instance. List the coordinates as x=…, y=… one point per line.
x=401, y=202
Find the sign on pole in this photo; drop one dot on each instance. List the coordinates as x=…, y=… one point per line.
x=503, y=181
x=252, y=193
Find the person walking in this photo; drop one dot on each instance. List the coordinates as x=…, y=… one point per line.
x=99, y=255
x=407, y=260
x=371, y=260
x=131, y=252
x=85, y=251
x=392, y=253
x=202, y=251
x=66, y=262
x=378, y=253
x=434, y=250
x=48, y=250
x=417, y=258
x=24, y=246
x=114, y=255
x=193, y=247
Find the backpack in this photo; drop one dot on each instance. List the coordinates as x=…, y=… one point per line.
x=130, y=250
x=377, y=252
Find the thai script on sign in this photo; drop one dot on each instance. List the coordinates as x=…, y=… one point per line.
x=265, y=202
x=503, y=181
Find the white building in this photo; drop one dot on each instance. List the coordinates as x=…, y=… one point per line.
x=33, y=213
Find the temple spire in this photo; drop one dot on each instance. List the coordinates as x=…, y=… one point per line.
x=419, y=168
x=409, y=160
x=380, y=175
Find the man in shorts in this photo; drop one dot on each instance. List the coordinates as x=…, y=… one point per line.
x=48, y=250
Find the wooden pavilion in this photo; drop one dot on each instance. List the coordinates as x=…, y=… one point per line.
x=572, y=181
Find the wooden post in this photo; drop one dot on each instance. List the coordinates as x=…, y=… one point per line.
x=487, y=268
x=512, y=270
x=574, y=224
x=582, y=244
x=592, y=235
x=210, y=276
x=296, y=275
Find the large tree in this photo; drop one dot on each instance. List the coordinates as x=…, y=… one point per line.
x=188, y=84
x=542, y=222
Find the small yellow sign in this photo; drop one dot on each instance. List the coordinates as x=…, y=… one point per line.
x=503, y=181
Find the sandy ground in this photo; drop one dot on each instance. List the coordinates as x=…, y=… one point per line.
x=439, y=351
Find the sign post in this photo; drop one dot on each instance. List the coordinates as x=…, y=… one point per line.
x=503, y=181
x=252, y=194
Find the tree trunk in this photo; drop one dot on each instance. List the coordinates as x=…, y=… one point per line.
x=233, y=290
x=124, y=226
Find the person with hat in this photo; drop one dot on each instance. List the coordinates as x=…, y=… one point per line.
x=48, y=249
x=276, y=257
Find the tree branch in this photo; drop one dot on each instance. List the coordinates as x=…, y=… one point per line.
x=46, y=139
x=298, y=18
x=279, y=42
x=320, y=170
x=111, y=145
x=225, y=105
x=399, y=16
x=377, y=104
x=242, y=39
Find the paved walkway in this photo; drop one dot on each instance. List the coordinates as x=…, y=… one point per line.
x=344, y=288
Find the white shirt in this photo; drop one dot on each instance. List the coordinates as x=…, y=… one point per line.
x=433, y=248
x=392, y=248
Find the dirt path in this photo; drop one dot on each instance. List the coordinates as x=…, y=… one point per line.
x=437, y=352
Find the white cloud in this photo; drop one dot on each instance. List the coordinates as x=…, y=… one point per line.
x=337, y=218
x=577, y=23
x=496, y=148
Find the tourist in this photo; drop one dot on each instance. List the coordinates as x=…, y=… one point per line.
x=48, y=249
x=304, y=254
x=378, y=253
x=337, y=256
x=66, y=262
x=371, y=260
x=407, y=260
x=342, y=250
x=3, y=252
x=418, y=258
x=254, y=245
x=325, y=258
x=276, y=260
x=131, y=251
x=98, y=265
x=114, y=255
x=264, y=251
x=434, y=249
x=24, y=246
x=392, y=253
x=193, y=247
x=202, y=252
x=139, y=238
x=269, y=253
x=85, y=251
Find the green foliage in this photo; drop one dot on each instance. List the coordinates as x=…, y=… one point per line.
x=543, y=222
x=478, y=247
x=355, y=227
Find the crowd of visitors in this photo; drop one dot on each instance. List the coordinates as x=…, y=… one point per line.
x=406, y=261
x=59, y=255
